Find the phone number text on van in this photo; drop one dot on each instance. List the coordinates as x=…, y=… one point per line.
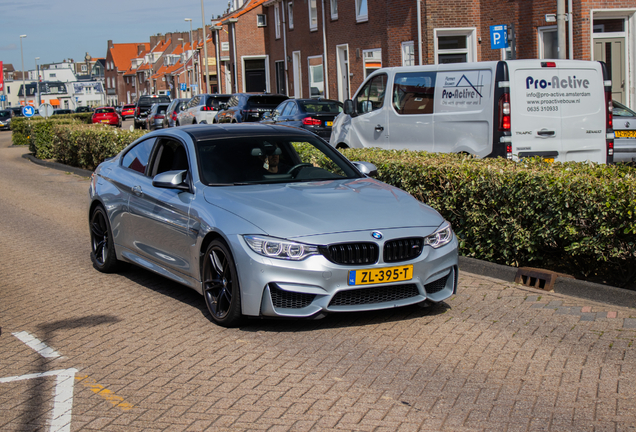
x=570, y=82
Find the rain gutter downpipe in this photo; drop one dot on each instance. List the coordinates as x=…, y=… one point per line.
x=324, y=47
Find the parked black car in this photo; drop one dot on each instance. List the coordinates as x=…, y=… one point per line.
x=5, y=119
x=61, y=111
x=144, y=103
x=82, y=109
x=245, y=107
x=154, y=119
x=315, y=115
x=175, y=107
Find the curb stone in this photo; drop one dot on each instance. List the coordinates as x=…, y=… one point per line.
x=566, y=286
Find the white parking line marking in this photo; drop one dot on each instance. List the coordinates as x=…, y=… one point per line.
x=37, y=345
x=63, y=401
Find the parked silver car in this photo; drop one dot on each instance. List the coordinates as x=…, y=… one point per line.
x=241, y=214
x=201, y=109
x=624, y=123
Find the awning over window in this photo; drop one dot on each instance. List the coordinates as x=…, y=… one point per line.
x=55, y=102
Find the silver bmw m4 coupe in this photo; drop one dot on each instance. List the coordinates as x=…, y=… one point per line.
x=267, y=221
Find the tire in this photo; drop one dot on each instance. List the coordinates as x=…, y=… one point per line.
x=221, y=288
x=103, y=253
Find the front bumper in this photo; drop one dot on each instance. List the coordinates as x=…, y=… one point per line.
x=315, y=286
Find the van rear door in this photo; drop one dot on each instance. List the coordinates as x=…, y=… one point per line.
x=557, y=110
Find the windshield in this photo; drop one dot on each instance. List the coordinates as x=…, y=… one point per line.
x=104, y=110
x=269, y=159
x=5, y=114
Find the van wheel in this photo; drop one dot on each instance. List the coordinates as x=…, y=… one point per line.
x=342, y=146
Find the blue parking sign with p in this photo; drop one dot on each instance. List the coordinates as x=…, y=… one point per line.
x=498, y=36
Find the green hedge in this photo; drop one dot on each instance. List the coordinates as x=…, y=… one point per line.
x=575, y=218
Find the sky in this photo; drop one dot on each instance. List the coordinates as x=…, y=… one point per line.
x=68, y=29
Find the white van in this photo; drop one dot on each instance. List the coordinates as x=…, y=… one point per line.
x=556, y=109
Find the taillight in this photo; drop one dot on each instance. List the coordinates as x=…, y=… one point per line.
x=207, y=108
x=137, y=112
x=311, y=121
x=159, y=116
x=548, y=64
x=504, y=112
x=509, y=151
x=174, y=116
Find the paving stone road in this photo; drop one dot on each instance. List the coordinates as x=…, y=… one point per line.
x=85, y=351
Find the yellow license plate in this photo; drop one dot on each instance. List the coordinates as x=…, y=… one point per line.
x=104, y=121
x=625, y=134
x=328, y=124
x=381, y=275
x=549, y=160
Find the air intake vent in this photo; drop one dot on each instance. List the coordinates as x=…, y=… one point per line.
x=436, y=286
x=352, y=253
x=289, y=300
x=403, y=249
x=374, y=295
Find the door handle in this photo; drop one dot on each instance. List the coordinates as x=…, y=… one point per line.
x=137, y=190
x=545, y=133
x=379, y=128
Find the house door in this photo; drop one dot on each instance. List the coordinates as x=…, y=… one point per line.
x=612, y=52
x=255, y=78
x=280, y=78
x=298, y=89
x=343, y=72
x=227, y=72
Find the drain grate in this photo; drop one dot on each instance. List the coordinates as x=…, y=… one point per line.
x=536, y=278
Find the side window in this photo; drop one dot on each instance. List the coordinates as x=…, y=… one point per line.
x=289, y=108
x=170, y=156
x=281, y=108
x=137, y=157
x=413, y=93
x=371, y=96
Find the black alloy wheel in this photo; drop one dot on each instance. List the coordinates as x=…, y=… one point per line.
x=103, y=253
x=220, y=285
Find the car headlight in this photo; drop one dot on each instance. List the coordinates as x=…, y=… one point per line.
x=441, y=237
x=282, y=249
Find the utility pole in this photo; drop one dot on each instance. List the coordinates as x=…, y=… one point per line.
x=561, y=16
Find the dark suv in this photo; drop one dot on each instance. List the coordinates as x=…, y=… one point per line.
x=144, y=103
x=245, y=107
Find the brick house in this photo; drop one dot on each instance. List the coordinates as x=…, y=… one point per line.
x=118, y=62
x=326, y=48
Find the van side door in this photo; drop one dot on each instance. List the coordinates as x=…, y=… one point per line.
x=411, y=112
x=370, y=126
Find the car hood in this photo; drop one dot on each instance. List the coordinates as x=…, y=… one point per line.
x=295, y=210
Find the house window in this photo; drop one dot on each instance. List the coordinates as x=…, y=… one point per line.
x=334, y=9
x=52, y=75
x=313, y=15
x=408, y=53
x=372, y=60
x=277, y=20
x=362, y=14
x=454, y=45
x=548, y=43
x=261, y=20
x=316, y=79
x=290, y=14
x=84, y=68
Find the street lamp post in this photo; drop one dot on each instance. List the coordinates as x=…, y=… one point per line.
x=185, y=64
x=37, y=80
x=192, y=56
x=205, y=51
x=23, y=83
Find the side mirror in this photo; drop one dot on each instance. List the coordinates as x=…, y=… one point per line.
x=268, y=116
x=171, y=180
x=348, y=107
x=366, y=168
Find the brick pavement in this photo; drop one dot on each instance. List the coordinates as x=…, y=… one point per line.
x=496, y=357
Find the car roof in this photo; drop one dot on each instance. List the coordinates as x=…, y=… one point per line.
x=203, y=132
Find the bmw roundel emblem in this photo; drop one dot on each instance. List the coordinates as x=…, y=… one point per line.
x=376, y=235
